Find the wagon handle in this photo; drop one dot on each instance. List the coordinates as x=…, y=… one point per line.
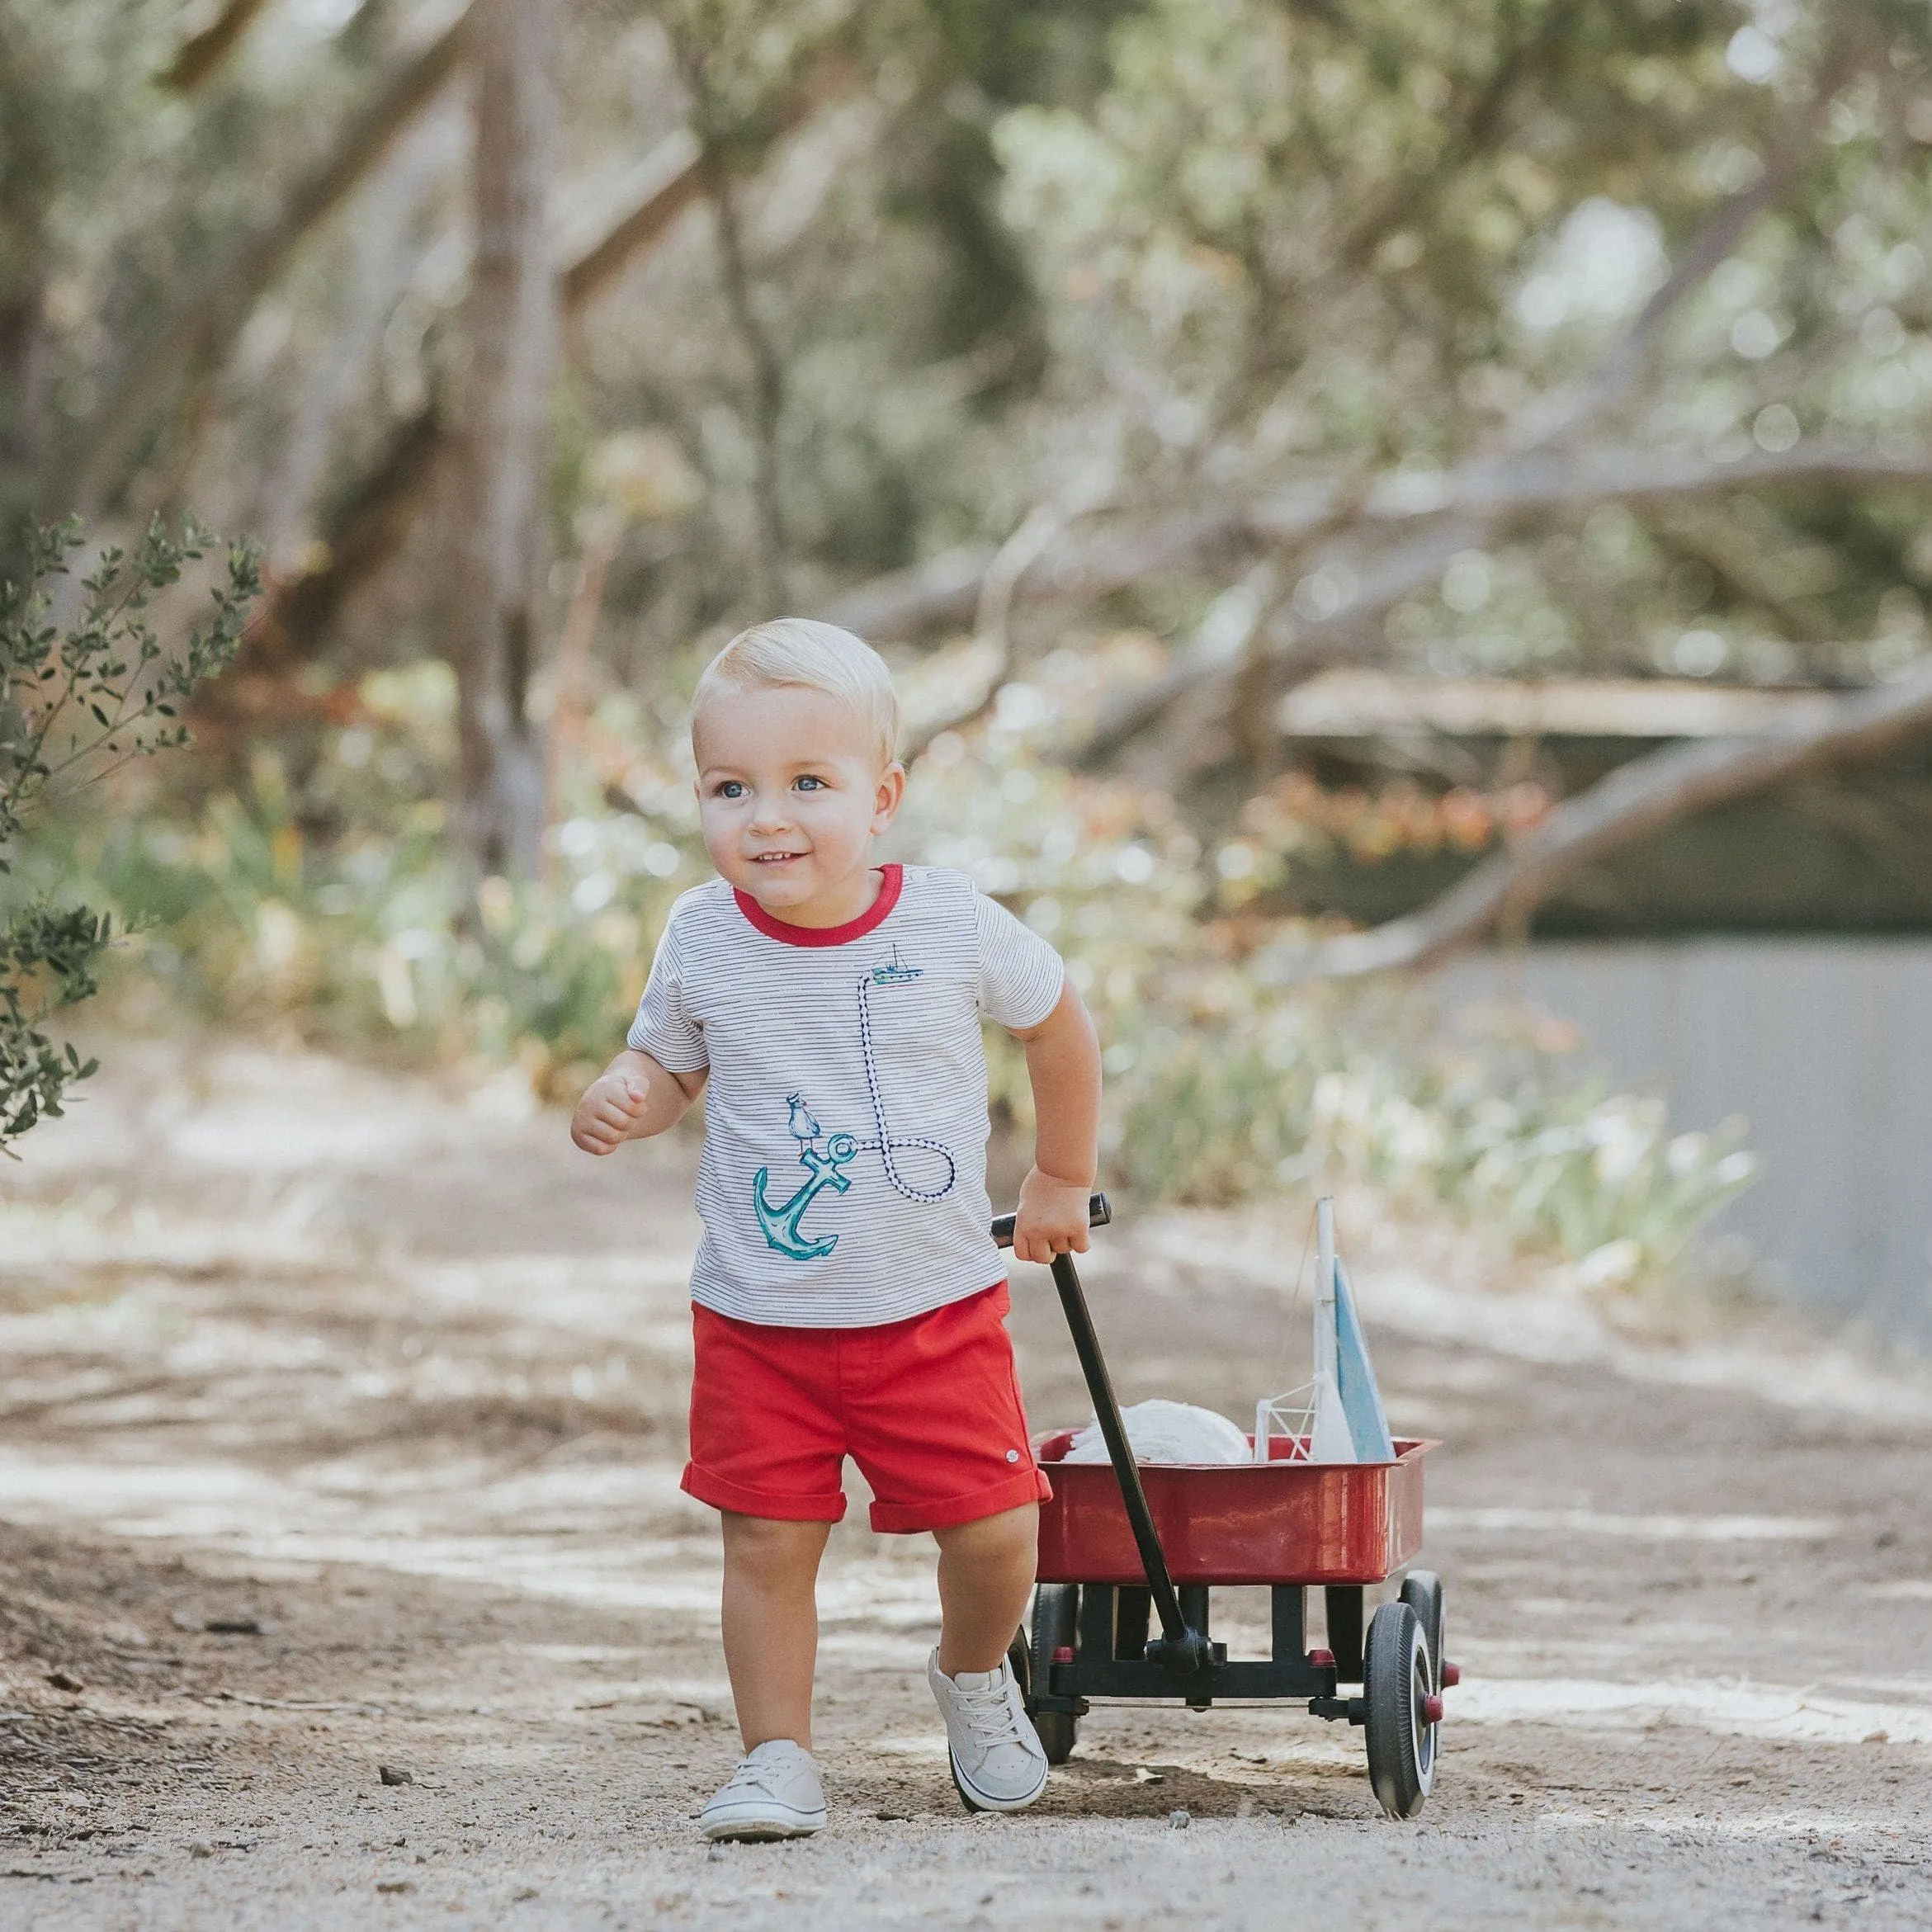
x=1099, y=1212
x=1179, y=1649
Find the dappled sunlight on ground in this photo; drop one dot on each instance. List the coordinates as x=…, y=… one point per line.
x=342, y=1421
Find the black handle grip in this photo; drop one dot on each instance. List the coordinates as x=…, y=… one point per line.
x=1099, y=1212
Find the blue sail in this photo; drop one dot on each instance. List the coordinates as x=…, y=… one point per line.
x=1368, y=1425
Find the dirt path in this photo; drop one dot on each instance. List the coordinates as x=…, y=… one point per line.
x=341, y=1426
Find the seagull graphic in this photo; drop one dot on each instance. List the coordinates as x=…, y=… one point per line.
x=802, y=1124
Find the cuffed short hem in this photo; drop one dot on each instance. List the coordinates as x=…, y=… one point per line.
x=724, y=1495
x=1023, y=1485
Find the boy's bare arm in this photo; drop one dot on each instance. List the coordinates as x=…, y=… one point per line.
x=631, y=1099
x=1063, y=1062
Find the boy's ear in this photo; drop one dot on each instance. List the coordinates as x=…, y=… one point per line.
x=885, y=799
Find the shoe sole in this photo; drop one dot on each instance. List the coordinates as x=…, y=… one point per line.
x=755, y=1830
x=978, y=1801
x=760, y=1834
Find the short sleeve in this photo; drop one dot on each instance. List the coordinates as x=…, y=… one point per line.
x=1020, y=974
x=663, y=1028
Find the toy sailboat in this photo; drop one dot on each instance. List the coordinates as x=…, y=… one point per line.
x=1338, y=1417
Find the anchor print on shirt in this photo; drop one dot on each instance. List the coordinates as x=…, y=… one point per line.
x=782, y=1222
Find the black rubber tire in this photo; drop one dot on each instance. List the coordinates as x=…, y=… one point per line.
x=1422, y=1591
x=1055, y=1623
x=1020, y=1655
x=1397, y=1675
x=1059, y=1733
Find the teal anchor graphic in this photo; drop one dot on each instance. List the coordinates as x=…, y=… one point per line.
x=827, y=1170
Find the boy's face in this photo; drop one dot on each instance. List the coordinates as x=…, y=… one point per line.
x=791, y=795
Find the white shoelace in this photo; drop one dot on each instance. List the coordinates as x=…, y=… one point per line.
x=750, y=1775
x=989, y=1714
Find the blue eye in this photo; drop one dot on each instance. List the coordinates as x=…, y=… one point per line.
x=808, y=783
x=731, y=789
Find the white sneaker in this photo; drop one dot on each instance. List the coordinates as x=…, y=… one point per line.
x=998, y=1761
x=774, y=1793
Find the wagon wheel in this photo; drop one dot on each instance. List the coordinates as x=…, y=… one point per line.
x=1056, y=1608
x=1422, y=1591
x=1399, y=1682
x=1020, y=1656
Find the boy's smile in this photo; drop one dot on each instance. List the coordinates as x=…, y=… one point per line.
x=791, y=794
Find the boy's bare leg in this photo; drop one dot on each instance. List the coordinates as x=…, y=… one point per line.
x=986, y=1575
x=770, y=1618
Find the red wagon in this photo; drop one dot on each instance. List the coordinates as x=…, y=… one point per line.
x=1129, y=1554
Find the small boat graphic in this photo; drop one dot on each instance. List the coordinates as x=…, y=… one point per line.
x=896, y=972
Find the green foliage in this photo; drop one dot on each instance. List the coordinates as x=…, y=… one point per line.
x=75, y=701
x=328, y=895
x=1334, y=241
x=1216, y=252
x=1218, y=1088
x=1229, y=247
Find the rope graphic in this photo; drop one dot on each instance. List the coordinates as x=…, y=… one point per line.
x=886, y=1143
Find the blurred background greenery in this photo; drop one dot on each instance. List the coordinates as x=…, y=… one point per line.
x=1121, y=367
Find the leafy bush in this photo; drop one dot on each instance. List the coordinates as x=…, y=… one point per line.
x=1262, y=1093
x=74, y=701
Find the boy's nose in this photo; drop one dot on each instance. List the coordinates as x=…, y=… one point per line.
x=769, y=814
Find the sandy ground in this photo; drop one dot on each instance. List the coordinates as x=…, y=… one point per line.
x=342, y=1422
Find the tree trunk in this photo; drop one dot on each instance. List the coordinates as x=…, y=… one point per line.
x=498, y=546
x=24, y=366
x=27, y=173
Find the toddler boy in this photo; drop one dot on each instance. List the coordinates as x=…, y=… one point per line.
x=848, y=1297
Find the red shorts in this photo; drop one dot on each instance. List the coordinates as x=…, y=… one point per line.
x=928, y=1407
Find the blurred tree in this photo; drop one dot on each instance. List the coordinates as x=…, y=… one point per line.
x=369, y=521
x=191, y=328
x=1513, y=337
x=49, y=146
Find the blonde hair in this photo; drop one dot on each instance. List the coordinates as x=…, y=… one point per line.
x=811, y=656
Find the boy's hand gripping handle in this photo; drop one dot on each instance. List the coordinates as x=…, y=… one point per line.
x=1098, y=1214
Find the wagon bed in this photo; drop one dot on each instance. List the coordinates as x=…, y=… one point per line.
x=1282, y=1521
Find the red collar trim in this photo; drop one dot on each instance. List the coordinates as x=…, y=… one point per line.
x=870, y=920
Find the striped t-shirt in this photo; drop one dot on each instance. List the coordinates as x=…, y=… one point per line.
x=843, y=1180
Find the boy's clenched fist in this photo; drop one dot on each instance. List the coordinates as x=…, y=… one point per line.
x=611, y=1107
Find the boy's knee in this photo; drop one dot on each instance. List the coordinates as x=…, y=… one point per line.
x=767, y=1546
x=1011, y=1537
